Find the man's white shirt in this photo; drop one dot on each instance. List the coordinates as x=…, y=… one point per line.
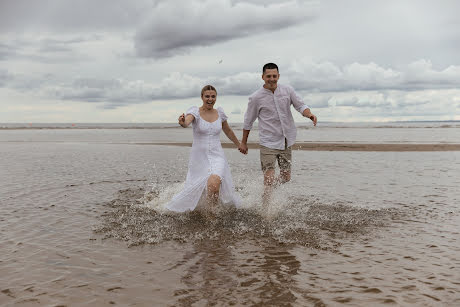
x=274, y=113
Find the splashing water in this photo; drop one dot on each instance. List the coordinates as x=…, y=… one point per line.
x=138, y=217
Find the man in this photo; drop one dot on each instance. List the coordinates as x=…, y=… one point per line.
x=271, y=105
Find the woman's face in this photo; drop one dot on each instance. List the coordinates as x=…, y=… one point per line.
x=209, y=99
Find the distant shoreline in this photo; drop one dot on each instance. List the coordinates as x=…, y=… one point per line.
x=343, y=146
x=237, y=125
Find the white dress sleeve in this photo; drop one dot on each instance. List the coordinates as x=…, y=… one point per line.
x=194, y=111
x=222, y=114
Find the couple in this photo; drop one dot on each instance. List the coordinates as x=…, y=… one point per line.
x=208, y=169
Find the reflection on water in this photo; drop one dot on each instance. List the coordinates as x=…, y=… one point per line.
x=220, y=273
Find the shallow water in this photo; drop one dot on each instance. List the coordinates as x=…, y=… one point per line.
x=81, y=224
x=398, y=132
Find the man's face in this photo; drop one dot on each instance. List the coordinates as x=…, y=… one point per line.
x=270, y=77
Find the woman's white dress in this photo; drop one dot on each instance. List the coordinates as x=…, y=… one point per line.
x=206, y=158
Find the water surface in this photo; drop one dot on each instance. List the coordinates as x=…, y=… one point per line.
x=81, y=224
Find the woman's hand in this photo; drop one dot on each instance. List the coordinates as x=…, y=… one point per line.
x=243, y=148
x=182, y=120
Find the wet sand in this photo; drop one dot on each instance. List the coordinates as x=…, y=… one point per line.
x=344, y=146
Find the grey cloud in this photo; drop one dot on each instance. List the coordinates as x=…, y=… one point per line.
x=90, y=89
x=240, y=84
x=24, y=83
x=54, y=45
x=351, y=102
x=365, y=102
x=5, y=77
x=47, y=50
x=175, y=29
x=388, y=32
x=396, y=103
x=7, y=51
x=318, y=102
x=53, y=49
x=69, y=15
x=115, y=92
x=259, y=2
x=99, y=90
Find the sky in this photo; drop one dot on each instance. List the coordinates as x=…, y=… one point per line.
x=145, y=61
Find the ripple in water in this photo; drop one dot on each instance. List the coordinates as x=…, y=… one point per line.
x=136, y=216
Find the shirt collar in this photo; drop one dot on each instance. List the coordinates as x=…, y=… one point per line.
x=267, y=90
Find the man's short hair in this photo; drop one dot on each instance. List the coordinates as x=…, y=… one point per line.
x=270, y=66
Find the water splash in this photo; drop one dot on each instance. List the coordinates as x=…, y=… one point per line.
x=138, y=217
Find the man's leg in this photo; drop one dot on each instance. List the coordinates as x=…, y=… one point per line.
x=285, y=176
x=267, y=161
x=284, y=162
x=269, y=183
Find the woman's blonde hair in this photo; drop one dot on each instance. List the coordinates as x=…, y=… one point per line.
x=208, y=88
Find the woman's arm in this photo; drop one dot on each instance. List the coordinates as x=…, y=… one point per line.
x=184, y=121
x=229, y=133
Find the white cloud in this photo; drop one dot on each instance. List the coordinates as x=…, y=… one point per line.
x=308, y=75
x=236, y=111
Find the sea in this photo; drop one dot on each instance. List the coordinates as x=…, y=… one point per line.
x=82, y=221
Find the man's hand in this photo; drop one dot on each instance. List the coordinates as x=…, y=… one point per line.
x=243, y=148
x=310, y=115
x=313, y=119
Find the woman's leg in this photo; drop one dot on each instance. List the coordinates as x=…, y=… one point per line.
x=212, y=197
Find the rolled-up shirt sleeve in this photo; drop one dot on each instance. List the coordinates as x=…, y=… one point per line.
x=297, y=102
x=251, y=114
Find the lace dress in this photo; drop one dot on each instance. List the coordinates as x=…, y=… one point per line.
x=206, y=157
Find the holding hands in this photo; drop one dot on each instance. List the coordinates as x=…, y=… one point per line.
x=243, y=148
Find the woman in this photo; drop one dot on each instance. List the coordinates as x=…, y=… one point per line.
x=208, y=169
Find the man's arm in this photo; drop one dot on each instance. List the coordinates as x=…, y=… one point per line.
x=310, y=115
x=301, y=107
x=243, y=148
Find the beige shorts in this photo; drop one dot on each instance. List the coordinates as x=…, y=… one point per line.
x=269, y=156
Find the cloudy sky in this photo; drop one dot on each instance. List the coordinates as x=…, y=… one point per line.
x=147, y=60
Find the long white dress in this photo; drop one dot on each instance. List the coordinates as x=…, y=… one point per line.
x=206, y=158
